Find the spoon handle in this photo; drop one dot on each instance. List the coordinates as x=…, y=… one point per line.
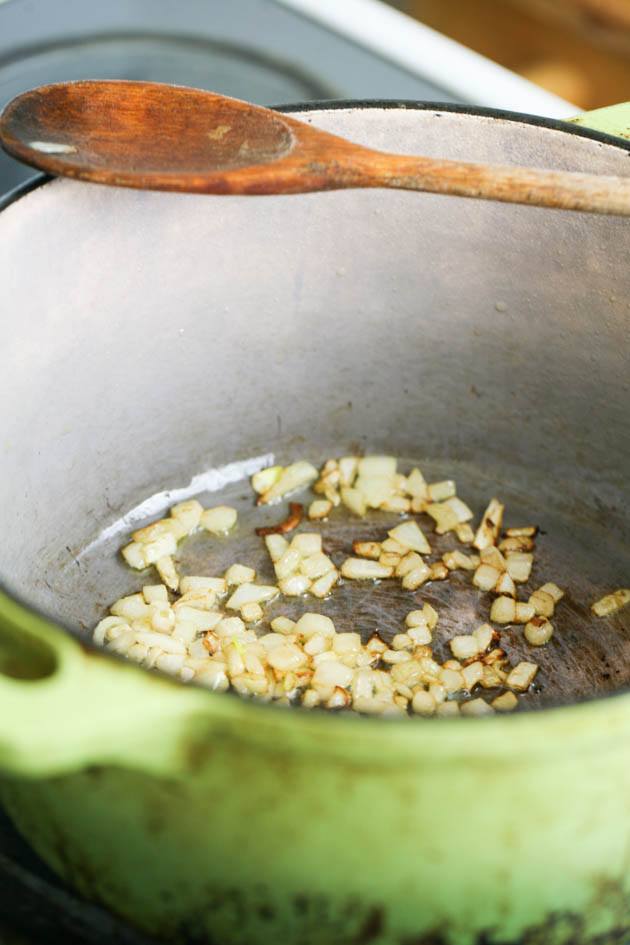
x=565, y=190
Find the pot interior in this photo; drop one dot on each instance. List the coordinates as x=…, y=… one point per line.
x=163, y=346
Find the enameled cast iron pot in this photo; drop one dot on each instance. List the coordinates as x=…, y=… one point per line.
x=149, y=337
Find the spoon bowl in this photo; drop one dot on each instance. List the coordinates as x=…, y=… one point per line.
x=146, y=134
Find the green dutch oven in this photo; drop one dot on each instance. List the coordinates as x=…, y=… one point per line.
x=150, y=337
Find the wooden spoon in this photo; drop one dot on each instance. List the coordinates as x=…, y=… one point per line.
x=163, y=137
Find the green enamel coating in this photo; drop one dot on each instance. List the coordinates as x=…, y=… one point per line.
x=235, y=822
x=612, y=120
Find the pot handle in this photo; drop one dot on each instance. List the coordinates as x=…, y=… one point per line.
x=64, y=706
x=612, y=120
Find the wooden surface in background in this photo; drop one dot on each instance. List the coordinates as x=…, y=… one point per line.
x=579, y=49
x=606, y=14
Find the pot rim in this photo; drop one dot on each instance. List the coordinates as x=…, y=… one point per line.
x=567, y=713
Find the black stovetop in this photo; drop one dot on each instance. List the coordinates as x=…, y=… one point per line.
x=35, y=907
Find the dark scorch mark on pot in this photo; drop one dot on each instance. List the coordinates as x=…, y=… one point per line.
x=317, y=919
x=371, y=928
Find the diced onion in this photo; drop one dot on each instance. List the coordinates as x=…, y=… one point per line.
x=611, y=603
x=323, y=586
x=188, y=633
x=251, y=593
x=522, y=676
x=307, y=543
x=538, y=631
x=320, y=509
x=239, y=574
x=354, y=501
x=464, y=647
x=506, y=702
x=519, y=566
x=219, y=520
x=476, y=707
x=362, y=569
x=295, y=585
x=166, y=569
x=293, y=477
x=491, y=522
x=438, y=491
x=367, y=549
x=188, y=513
x=410, y=535
x=416, y=577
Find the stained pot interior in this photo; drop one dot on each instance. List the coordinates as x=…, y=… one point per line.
x=150, y=338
